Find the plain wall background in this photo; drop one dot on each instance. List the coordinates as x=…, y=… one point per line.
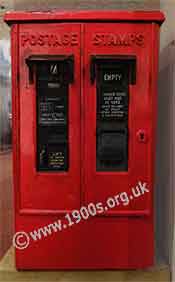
x=166, y=135
x=6, y=201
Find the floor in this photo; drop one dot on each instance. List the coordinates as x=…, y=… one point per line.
x=9, y=273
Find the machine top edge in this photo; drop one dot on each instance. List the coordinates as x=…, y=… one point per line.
x=84, y=16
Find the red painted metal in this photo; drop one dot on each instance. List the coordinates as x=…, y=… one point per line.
x=87, y=15
x=124, y=236
x=37, y=184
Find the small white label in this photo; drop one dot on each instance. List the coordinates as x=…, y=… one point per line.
x=112, y=77
x=54, y=69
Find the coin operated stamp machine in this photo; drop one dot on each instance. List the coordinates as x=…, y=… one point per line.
x=84, y=117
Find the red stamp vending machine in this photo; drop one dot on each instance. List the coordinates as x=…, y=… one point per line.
x=84, y=117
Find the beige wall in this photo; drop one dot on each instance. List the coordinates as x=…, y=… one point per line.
x=168, y=30
x=6, y=206
x=80, y=4
x=166, y=134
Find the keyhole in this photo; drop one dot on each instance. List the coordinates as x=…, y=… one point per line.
x=142, y=136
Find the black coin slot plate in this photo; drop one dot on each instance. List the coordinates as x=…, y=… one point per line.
x=113, y=77
x=52, y=116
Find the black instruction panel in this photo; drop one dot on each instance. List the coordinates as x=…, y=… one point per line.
x=113, y=77
x=52, y=87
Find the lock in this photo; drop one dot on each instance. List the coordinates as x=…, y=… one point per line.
x=142, y=136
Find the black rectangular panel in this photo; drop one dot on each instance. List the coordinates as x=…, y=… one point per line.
x=112, y=117
x=52, y=117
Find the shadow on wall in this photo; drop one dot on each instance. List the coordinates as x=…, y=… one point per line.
x=164, y=162
x=5, y=149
